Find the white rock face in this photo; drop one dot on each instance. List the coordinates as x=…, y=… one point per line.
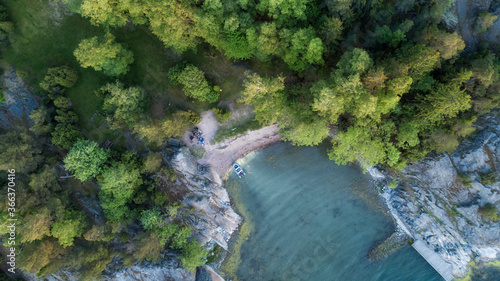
x=214, y=221
x=166, y=272
x=434, y=206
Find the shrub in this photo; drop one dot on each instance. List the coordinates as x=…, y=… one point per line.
x=465, y=179
x=193, y=82
x=222, y=114
x=489, y=211
x=393, y=185
x=489, y=178
x=484, y=21
x=57, y=79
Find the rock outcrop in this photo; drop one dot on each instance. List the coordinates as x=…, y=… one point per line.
x=432, y=204
x=19, y=101
x=214, y=221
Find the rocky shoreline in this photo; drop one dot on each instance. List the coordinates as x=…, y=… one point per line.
x=436, y=204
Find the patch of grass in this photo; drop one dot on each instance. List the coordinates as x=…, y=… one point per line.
x=226, y=133
x=489, y=178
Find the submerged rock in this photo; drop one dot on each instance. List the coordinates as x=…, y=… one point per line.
x=432, y=204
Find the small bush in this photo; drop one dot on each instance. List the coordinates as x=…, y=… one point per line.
x=193, y=117
x=488, y=179
x=222, y=114
x=124, y=237
x=153, y=162
x=484, y=21
x=489, y=211
x=393, y=185
x=465, y=179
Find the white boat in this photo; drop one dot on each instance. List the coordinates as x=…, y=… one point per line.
x=238, y=170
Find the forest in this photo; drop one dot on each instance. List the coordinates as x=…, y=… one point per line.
x=384, y=82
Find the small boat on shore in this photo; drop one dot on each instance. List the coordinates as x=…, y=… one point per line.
x=238, y=170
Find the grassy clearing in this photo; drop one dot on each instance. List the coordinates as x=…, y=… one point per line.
x=232, y=131
x=46, y=37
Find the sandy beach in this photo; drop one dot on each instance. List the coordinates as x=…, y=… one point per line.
x=220, y=156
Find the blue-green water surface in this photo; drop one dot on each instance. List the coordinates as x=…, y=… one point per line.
x=315, y=220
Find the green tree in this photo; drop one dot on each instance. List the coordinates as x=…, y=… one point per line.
x=356, y=61
x=445, y=101
x=194, y=83
x=148, y=247
x=180, y=237
x=174, y=22
x=39, y=220
x=357, y=144
x=19, y=151
x=104, y=12
x=104, y=54
x=447, y=44
x=151, y=219
x=283, y=10
x=90, y=259
x=342, y=95
x=153, y=162
x=193, y=255
x=266, y=95
x=85, y=159
x=268, y=41
x=69, y=227
x=332, y=31
x=58, y=79
x=302, y=48
x=41, y=121
x=484, y=21
x=158, y=131
x=99, y=232
x=39, y=254
x=65, y=135
x=124, y=105
x=118, y=184
x=419, y=59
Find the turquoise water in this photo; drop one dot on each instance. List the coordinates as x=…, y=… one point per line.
x=314, y=220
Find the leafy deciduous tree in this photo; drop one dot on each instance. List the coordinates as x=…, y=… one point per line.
x=85, y=159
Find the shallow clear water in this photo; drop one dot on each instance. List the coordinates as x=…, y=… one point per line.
x=314, y=220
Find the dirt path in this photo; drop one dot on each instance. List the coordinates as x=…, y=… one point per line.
x=220, y=156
